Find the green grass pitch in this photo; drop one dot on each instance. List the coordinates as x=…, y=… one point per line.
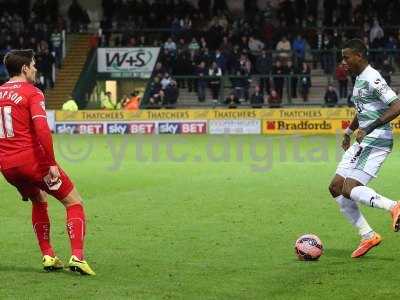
x=202, y=217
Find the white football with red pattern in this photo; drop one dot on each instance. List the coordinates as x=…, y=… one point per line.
x=309, y=247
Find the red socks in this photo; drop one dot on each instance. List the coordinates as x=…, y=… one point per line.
x=76, y=228
x=41, y=226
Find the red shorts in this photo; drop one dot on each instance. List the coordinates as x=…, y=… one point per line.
x=29, y=180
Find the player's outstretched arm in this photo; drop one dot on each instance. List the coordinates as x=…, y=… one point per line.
x=392, y=113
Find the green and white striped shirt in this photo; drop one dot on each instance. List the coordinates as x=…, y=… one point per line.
x=372, y=97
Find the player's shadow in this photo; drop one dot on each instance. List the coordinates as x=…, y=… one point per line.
x=13, y=268
x=337, y=252
x=344, y=253
x=21, y=269
x=372, y=257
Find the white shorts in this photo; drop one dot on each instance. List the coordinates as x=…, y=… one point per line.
x=361, y=164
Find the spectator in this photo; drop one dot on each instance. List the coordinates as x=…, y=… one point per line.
x=170, y=46
x=257, y=98
x=220, y=60
x=342, y=78
x=278, y=74
x=376, y=34
x=56, y=45
x=305, y=79
x=159, y=70
x=176, y=27
x=192, y=67
x=186, y=23
x=123, y=102
x=182, y=67
x=391, y=47
x=284, y=47
x=106, y=101
x=45, y=61
x=226, y=45
x=201, y=72
x=142, y=41
x=155, y=88
x=232, y=101
x=70, y=105
x=327, y=54
x=171, y=95
x=181, y=46
x=132, y=103
x=387, y=71
x=243, y=83
x=215, y=82
x=194, y=46
x=255, y=46
x=165, y=81
x=156, y=100
x=263, y=68
x=274, y=100
x=292, y=72
x=299, y=48
x=331, y=98
x=206, y=56
x=203, y=43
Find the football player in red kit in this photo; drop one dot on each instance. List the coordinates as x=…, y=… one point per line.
x=27, y=160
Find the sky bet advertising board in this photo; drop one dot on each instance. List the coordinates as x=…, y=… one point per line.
x=182, y=127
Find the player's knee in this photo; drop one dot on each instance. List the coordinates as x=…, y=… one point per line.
x=40, y=197
x=72, y=198
x=68, y=204
x=346, y=191
x=335, y=188
x=70, y=201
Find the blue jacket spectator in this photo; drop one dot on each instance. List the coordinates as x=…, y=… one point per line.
x=299, y=47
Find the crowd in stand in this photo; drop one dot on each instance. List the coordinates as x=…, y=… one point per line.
x=256, y=54
x=38, y=28
x=258, y=51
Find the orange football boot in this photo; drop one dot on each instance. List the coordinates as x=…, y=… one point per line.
x=366, y=245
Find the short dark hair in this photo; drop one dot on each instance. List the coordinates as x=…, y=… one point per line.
x=358, y=46
x=16, y=59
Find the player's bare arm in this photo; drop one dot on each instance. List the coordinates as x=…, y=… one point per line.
x=392, y=113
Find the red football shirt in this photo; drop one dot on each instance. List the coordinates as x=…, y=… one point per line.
x=20, y=103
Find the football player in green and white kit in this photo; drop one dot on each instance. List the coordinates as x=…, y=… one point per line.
x=376, y=105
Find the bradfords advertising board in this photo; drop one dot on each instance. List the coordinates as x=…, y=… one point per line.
x=301, y=126
x=136, y=62
x=234, y=126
